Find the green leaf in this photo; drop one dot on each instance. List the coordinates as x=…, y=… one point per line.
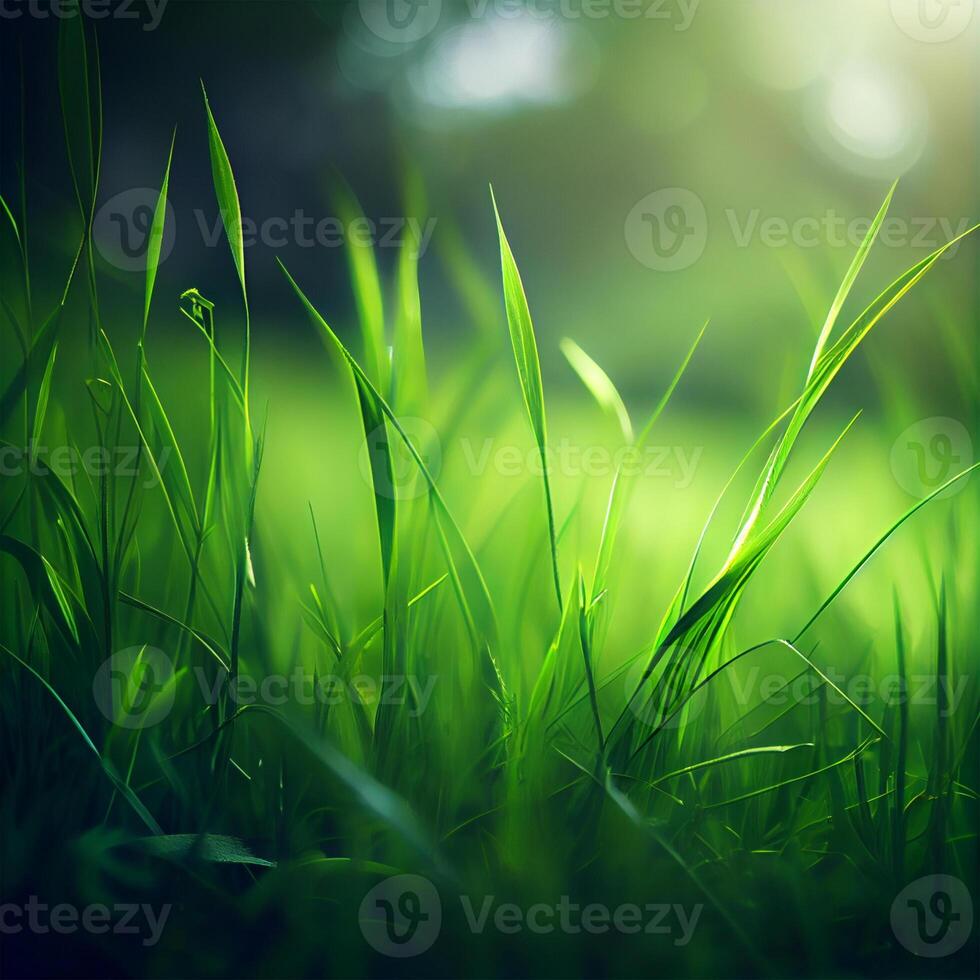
x=218, y=848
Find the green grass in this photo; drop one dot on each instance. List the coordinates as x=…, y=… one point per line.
x=560, y=735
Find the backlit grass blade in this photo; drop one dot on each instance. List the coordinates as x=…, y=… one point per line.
x=155, y=239
x=13, y=221
x=226, y=193
x=366, y=284
x=600, y=386
x=718, y=600
x=823, y=373
x=231, y=218
x=409, y=384
x=44, y=393
x=848, y=281
x=529, y=373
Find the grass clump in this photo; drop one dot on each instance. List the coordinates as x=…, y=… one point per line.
x=530, y=753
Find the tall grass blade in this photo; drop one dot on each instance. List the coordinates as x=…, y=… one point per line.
x=529, y=373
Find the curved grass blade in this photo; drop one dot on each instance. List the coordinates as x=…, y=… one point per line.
x=730, y=757
x=599, y=385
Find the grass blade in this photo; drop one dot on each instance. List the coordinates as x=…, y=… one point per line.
x=529, y=373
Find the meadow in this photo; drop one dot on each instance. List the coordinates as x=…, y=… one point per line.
x=385, y=662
